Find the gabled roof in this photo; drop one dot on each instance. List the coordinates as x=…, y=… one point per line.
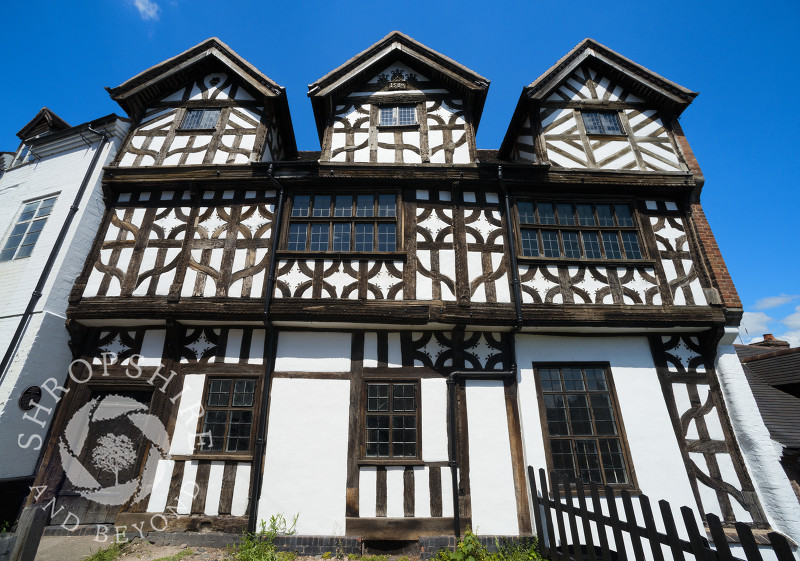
x=645, y=83
x=780, y=411
x=45, y=121
x=397, y=46
x=211, y=55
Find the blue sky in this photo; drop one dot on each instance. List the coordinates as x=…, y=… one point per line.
x=741, y=60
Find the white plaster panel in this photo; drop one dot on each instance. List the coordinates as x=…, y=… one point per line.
x=475, y=269
x=447, y=492
x=188, y=490
x=434, y=420
x=213, y=490
x=158, y=496
x=313, y=352
x=367, y=491
x=370, y=350
x=494, y=508
x=424, y=284
x=394, y=491
x=233, y=346
x=185, y=432
x=654, y=449
x=461, y=153
x=257, y=347
x=395, y=358
x=422, y=492
x=296, y=482
x=447, y=267
x=241, y=489
x=152, y=347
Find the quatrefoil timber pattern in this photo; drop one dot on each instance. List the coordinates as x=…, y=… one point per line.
x=713, y=461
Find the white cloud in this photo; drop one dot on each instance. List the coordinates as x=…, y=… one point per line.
x=792, y=337
x=774, y=301
x=792, y=320
x=754, y=325
x=147, y=9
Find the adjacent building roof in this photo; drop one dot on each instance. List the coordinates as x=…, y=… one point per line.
x=397, y=46
x=212, y=55
x=44, y=122
x=645, y=83
x=774, y=377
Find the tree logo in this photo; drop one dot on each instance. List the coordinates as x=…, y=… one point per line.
x=106, y=436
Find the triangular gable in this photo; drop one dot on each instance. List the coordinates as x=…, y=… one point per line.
x=400, y=52
x=398, y=71
x=210, y=61
x=613, y=77
x=586, y=83
x=44, y=122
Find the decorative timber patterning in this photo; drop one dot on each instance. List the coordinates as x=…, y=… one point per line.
x=405, y=491
x=222, y=344
x=435, y=243
x=438, y=350
x=644, y=145
x=554, y=284
x=676, y=259
x=244, y=130
x=440, y=133
x=347, y=279
x=713, y=461
x=146, y=251
x=487, y=264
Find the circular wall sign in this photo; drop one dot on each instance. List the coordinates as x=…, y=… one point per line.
x=29, y=397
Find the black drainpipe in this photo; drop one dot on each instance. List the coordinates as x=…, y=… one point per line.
x=485, y=375
x=257, y=473
x=37, y=292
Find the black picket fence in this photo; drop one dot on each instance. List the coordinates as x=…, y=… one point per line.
x=551, y=508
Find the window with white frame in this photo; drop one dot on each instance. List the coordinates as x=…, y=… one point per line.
x=27, y=229
x=397, y=115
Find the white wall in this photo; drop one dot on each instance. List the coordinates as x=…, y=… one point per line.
x=491, y=478
x=310, y=351
x=655, y=454
x=43, y=351
x=305, y=468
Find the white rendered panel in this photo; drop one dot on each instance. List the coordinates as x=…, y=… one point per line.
x=422, y=492
x=494, y=506
x=152, y=348
x=187, y=492
x=241, y=487
x=257, y=347
x=294, y=478
x=234, y=346
x=394, y=491
x=367, y=491
x=183, y=437
x=395, y=359
x=313, y=352
x=434, y=419
x=371, y=350
x=158, y=496
x=214, y=489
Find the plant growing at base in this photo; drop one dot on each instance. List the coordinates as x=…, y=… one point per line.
x=260, y=546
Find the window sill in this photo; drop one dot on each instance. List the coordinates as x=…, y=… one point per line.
x=587, y=262
x=215, y=456
x=601, y=136
x=388, y=462
x=345, y=255
x=212, y=130
x=415, y=126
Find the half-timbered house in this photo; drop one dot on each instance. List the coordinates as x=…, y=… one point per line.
x=382, y=335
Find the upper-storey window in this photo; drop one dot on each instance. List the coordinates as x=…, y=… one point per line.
x=343, y=223
x=27, y=229
x=200, y=119
x=602, y=122
x=398, y=115
x=578, y=231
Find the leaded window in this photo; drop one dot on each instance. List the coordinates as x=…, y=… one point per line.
x=602, y=122
x=228, y=415
x=397, y=115
x=391, y=422
x=200, y=119
x=583, y=429
x=343, y=223
x=578, y=231
x=26, y=231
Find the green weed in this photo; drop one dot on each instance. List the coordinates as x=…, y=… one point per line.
x=108, y=553
x=177, y=556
